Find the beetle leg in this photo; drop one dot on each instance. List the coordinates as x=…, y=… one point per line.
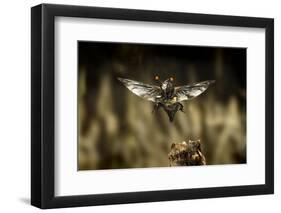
x=181, y=108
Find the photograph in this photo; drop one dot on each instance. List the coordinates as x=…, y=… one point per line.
x=133, y=105
x=144, y=105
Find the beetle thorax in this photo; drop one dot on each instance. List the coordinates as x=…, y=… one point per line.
x=164, y=85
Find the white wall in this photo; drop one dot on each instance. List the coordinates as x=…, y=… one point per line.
x=15, y=102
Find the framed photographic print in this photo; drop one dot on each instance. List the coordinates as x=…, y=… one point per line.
x=140, y=106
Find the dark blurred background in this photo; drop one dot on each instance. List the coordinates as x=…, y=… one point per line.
x=117, y=128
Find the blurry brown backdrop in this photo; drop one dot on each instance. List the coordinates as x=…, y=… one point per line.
x=117, y=128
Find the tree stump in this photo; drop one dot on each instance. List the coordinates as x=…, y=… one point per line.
x=186, y=154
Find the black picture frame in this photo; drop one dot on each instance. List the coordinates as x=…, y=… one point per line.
x=43, y=102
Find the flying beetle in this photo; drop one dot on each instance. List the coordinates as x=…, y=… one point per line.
x=165, y=95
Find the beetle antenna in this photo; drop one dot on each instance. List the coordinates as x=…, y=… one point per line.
x=157, y=79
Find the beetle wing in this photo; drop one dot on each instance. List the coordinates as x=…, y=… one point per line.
x=146, y=91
